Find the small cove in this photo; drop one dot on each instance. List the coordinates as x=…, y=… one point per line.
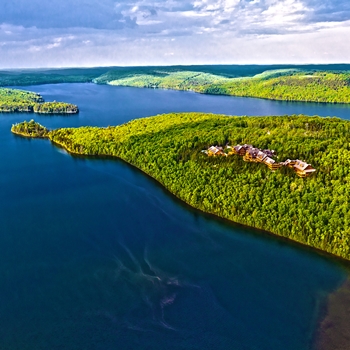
x=96, y=255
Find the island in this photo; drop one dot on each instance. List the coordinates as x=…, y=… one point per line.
x=14, y=100
x=30, y=129
x=55, y=108
x=313, y=210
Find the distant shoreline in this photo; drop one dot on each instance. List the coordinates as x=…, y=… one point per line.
x=21, y=101
x=304, y=83
x=231, y=95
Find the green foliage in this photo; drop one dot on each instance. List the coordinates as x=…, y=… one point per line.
x=314, y=211
x=49, y=76
x=30, y=129
x=18, y=100
x=275, y=73
x=56, y=108
x=12, y=95
x=12, y=100
x=170, y=80
x=128, y=72
x=226, y=71
x=314, y=83
x=36, y=79
x=282, y=84
x=312, y=87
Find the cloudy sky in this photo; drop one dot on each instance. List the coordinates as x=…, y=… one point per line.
x=62, y=33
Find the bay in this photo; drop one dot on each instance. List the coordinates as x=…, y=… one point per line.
x=96, y=255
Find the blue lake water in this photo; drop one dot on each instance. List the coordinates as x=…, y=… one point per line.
x=96, y=255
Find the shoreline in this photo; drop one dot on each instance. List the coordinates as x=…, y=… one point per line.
x=330, y=330
x=337, y=259
x=228, y=95
x=27, y=135
x=173, y=89
x=333, y=331
x=13, y=100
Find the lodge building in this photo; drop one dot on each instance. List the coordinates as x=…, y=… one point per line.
x=256, y=155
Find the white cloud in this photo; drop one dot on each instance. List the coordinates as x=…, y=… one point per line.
x=229, y=5
x=193, y=31
x=285, y=12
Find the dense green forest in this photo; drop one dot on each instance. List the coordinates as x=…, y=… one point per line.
x=30, y=129
x=49, y=76
x=312, y=83
x=55, y=108
x=103, y=75
x=179, y=79
x=314, y=211
x=13, y=100
x=18, y=100
x=174, y=80
x=298, y=86
x=286, y=85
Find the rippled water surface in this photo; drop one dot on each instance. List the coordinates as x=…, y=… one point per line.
x=95, y=255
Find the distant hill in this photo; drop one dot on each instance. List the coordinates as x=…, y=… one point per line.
x=22, y=77
x=311, y=83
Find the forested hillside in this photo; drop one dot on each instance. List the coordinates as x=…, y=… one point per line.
x=314, y=211
x=286, y=85
x=175, y=80
x=312, y=83
x=13, y=100
x=312, y=87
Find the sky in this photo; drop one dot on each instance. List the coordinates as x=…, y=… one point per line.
x=62, y=33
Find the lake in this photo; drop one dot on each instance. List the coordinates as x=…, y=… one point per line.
x=96, y=255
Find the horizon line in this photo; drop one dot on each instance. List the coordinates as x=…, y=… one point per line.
x=176, y=65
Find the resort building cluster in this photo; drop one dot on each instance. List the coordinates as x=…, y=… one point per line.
x=253, y=154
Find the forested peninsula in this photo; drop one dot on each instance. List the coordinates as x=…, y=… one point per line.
x=314, y=210
x=283, y=85
x=309, y=83
x=13, y=100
